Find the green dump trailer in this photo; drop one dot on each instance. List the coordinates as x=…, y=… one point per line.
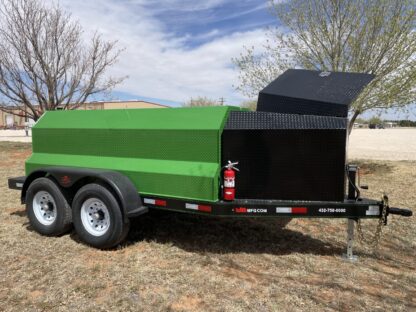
x=96, y=170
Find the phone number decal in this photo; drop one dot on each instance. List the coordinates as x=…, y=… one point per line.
x=332, y=210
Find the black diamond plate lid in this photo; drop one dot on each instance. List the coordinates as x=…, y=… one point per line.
x=238, y=120
x=329, y=87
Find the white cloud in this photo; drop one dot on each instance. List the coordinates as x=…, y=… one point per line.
x=182, y=5
x=159, y=64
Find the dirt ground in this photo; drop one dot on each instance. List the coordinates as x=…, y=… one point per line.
x=183, y=263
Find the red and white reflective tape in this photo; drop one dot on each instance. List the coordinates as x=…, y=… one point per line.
x=156, y=202
x=203, y=208
x=292, y=210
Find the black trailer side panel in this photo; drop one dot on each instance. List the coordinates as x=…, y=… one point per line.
x=286, y=157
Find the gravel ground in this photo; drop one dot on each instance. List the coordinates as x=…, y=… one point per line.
x=383, y=144
x=15, y=136
x=377, y=144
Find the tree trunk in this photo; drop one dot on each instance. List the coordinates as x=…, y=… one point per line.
x=352, y=120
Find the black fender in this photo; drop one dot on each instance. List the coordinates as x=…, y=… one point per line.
x=71, y=179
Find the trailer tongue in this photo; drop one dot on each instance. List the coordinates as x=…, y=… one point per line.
x=288, y=159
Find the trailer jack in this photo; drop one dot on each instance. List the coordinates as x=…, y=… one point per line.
x=349, y=256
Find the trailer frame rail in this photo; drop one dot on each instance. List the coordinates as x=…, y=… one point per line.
x=363, y=208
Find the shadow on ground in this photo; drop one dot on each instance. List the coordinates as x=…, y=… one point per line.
x=202, y=234
x=226, y=235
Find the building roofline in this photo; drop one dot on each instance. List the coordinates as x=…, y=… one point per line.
x=128, y=101
x=94, y=102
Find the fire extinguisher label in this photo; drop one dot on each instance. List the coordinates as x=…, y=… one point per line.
x=229, y=183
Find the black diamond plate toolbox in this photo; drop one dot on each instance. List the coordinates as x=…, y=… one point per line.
x=286, y=157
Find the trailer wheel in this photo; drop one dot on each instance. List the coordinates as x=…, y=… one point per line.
x=97, y=217
x=47, y=209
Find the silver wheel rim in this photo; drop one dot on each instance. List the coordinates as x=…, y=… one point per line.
x=95, y=217
x=44, y=207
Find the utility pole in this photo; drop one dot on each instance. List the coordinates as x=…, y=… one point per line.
x=222, y=101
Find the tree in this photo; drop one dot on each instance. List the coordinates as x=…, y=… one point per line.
x=376, y=37
x=44, y=61
x=361, y=121
x=407, y=123
x=251, y=105
x=201, y=101
x=375, y=120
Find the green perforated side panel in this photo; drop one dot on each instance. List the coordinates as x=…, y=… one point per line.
x=184, y=145
x=166, y=152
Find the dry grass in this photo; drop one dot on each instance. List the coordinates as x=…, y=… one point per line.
x=183, y=263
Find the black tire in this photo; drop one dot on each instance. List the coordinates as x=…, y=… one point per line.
x=115, y=229
x=36, y=198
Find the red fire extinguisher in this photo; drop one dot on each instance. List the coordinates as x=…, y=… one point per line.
x=229, y=180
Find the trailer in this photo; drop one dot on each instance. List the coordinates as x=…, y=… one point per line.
x=95, y=170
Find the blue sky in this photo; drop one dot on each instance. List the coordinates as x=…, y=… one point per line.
x=199, y=25
x=177, y=49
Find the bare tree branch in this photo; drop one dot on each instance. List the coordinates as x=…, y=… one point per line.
x=201, y=101
x=45, y=64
